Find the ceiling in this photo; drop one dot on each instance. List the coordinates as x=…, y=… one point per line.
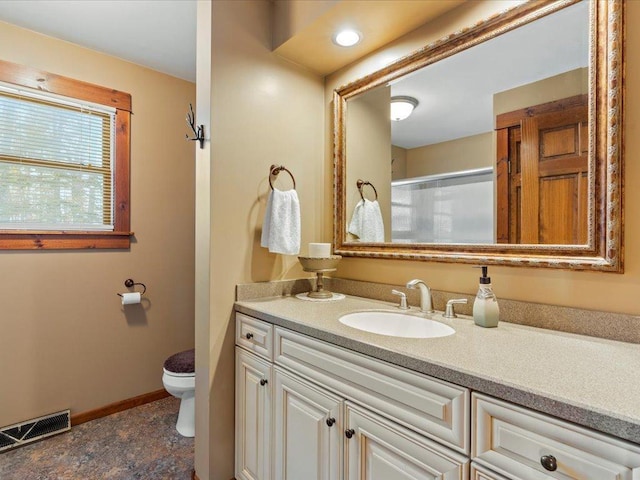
x=462, y=87
x=380, y=22
x=159, y=34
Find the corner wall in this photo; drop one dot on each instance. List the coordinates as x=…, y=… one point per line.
x=590, y=290
x=66, y=341
x=264, y=111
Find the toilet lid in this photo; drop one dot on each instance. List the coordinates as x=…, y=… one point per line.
x=182, y=362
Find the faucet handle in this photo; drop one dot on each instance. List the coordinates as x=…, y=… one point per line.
x=403, y=299
x=450, y=311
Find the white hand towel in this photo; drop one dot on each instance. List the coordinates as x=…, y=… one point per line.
x=281, y=226
x=366, y=222
x=355, y=226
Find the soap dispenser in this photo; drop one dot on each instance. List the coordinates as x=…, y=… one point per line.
x=485, y=307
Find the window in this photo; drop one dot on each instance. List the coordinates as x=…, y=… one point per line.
x=64, y=162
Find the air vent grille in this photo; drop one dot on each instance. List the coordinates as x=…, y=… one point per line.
x=35, y=429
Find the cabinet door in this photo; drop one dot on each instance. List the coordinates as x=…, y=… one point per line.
x=377, y=449
x=253, y=417
x=308, y=430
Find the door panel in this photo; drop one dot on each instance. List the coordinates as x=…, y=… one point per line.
x=381, y=450
x=307, y=446
x=253, y=417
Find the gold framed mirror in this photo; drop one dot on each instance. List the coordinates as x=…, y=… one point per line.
x=508, y=210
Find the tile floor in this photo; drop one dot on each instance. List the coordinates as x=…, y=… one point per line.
x=137, y=444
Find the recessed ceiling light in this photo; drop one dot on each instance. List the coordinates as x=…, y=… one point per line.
x=347, y=38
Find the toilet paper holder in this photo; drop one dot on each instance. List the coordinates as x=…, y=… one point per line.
x=130, y=283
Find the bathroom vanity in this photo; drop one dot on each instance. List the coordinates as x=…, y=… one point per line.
x=318, y=399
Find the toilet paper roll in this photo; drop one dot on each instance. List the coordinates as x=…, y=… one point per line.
x=320, y=250
x=130, y=298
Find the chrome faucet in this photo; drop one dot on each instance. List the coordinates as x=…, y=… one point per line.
x=425, y=295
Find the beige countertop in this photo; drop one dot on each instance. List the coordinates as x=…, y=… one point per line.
x=590, y=381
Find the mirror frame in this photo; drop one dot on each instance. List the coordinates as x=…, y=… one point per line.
x=604, y=249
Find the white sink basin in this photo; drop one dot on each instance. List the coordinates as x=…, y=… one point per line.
x=396, y=324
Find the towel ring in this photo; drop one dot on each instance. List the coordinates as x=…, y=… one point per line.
x=275, y=170
x=361, y=183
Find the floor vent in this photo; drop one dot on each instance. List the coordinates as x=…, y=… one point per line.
x=35, y=429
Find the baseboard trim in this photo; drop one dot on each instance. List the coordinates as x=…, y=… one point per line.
x=194, y=476
x=116, y=407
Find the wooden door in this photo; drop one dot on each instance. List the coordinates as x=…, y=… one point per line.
x=308, y=431
x=543, y=179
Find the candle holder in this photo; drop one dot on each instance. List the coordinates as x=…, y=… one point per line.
x=320, y=266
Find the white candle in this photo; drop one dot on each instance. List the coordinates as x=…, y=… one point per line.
x=320, y=250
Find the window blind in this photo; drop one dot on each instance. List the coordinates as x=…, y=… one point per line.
x=56, y=162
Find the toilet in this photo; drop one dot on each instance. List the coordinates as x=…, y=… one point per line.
x=179, y=380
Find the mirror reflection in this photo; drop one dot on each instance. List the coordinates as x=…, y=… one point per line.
x=493, y=146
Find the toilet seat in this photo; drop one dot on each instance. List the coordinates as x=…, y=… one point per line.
x=181, y=363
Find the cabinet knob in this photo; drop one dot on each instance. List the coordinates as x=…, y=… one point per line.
x=549, y=462
x=249, y=336
x=263, y=382
x=331, y=421
x=350, y=433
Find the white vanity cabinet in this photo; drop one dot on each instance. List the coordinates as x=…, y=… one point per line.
x=335, y=414
x=307, y=409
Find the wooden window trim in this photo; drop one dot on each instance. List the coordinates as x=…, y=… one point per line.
x=120, y=237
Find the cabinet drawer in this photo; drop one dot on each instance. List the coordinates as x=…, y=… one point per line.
x=436, y=409
x=254, y=335
x=513, y=441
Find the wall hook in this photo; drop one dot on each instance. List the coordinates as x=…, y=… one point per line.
x=197, y=131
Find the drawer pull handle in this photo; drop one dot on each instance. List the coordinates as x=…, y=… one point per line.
x=331, y=421
x=263, y=382
x=249, y=336
x=549, y=462
x=350, y=433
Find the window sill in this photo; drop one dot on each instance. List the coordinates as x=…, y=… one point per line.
x=61, y=240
